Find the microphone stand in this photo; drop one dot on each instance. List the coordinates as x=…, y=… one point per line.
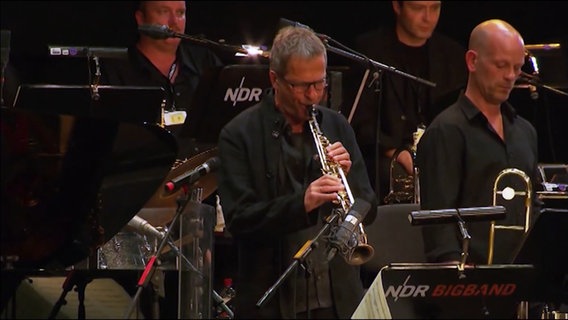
x=300, y=258
x=534, y=81
x=74, y=278
x=465, y=246
x=358, y=57
x=148, y=273
x=214, y=44
x=218, y=300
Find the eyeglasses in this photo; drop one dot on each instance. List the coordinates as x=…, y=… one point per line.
x=302, y=87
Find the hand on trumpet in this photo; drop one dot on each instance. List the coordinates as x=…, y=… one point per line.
x=404, y=158
x=337, y=153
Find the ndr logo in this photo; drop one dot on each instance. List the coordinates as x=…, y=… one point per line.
x=241, y=94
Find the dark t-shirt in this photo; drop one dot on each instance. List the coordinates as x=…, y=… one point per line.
x=192, y=63
x=402, y=103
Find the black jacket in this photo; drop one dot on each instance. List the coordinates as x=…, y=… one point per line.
x=260, y=221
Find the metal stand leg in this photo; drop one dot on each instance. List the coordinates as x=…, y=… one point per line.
x=73, y=279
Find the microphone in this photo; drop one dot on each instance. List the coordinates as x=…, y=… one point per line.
x=533, y=92
x=340, y=240
x=157, y=31
x=192, y=176
x=144, y=227
x=422, y=217
x=164, y=32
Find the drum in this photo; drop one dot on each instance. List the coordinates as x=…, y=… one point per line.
x=126, y=251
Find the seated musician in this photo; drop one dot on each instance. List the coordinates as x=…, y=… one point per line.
x=174, y=65
x=169, y=63
x=412, y=46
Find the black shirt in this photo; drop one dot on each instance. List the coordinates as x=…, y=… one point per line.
x=459, y=157
x=295, y=172
x=403, y=102
x=192, y=62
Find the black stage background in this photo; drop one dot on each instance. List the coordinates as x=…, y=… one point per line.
x=36, y=24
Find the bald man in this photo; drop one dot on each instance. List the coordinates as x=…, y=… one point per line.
x=466, y=146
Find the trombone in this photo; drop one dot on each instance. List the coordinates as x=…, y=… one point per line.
x=509, y=193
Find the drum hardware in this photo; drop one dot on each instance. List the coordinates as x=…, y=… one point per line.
x=125, y=251
x=160, y=209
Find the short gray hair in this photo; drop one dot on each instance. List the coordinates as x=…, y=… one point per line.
x=294, y=41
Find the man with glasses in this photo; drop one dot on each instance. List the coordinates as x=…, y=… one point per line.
x=275, y=197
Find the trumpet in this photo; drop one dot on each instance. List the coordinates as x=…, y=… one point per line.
x=509, y=193
x=359, y=251
x=404, y=187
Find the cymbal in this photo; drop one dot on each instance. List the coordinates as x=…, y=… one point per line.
x=162, y=205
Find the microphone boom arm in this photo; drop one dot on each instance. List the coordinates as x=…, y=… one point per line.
x=533, y=81
x=214, y=44
x=365, y=60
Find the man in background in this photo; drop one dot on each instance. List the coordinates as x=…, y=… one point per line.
x=177, y=66
x=393, y=107
x=167, y=62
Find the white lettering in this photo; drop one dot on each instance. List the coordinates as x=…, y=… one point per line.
x=406, y=290
x=242, y=94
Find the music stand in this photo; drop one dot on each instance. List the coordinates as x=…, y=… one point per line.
x=546, y=247
x=97, y=155
x=121, y=103
x=222, y=93
x=435, y=291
